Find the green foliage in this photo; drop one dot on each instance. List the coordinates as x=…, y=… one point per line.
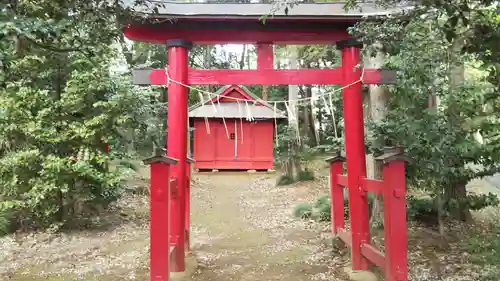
x=305, y=175
x=483, y=248
x=284, y=180
x=322, y=200
x=480, y=201
x=438, y=55
x=424, y=208
x=318, y=211
x=474, y=202
x=303, y=210
x=322, y=209
x=285, y=138
x=7, y=220
x=421, y=209
x=60, y=105
x=53, y=163
x=445, y=51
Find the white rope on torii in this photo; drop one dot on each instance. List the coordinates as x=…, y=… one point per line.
x=328, y=105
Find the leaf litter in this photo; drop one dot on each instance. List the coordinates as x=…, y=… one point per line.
x=242, y=231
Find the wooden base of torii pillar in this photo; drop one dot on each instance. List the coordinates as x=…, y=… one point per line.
x=347, y=75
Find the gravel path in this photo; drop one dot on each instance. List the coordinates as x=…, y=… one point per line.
x=243, y=230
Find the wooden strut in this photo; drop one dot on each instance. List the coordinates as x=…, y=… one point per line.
x=310, y=76
x=161, y=252
x=393, y=187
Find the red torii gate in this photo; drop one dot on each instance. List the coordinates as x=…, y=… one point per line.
x=304, y=24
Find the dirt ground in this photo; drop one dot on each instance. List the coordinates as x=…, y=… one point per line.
x=242, y=229
x=249, y=232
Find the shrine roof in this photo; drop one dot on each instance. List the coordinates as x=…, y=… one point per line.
x=259, y=110
x=329, y=10
x=240, y=23
x=235, y=110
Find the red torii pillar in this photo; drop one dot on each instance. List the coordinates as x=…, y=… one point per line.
x=159, y=215
x=354, y=134
x=177, y=143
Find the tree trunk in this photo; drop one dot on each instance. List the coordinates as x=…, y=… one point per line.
x=319, y=117
x=293, y=125
x=265, y=94
x=457, y=191
x=309, y=127
x=433, y=104
x=458, y=194
x=59, y=82
x=440, y=212
x=207, y=64
x=248, y=57
x=378, y=111
x=130, y=137
x=243, y=57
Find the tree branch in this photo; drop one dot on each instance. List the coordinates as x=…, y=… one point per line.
x=52, y=48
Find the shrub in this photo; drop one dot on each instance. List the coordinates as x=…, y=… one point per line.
x=484, y=248
x=305, y=175
x=322, y=209
x=49, y=189
x=284, y=180
x=303, y=211
x=420, y=209
x=7, y=222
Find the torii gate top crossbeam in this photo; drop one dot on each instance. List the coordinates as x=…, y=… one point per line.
x=214, y=23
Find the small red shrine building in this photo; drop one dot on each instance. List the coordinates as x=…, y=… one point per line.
x=234, y=130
